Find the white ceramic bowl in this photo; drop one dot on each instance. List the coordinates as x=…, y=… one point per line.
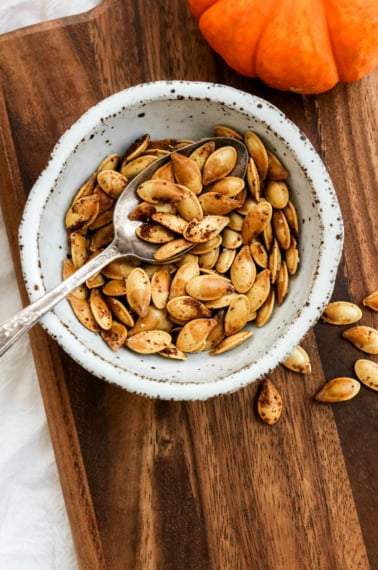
x=185, y=110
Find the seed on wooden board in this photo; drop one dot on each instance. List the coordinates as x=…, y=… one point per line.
x=265, y=311
x=371, y=301
x=160, y=287
x=149, y=342
x=276, y=170
x=256, y=220
x=156, y=190
x=82, y=213
x=258, y=293
x=231, y=342
x=277, y=193
x=338, y=389
x=138, y=291
x=172, y=249
x=281, y=229
x=173, y=222
x=341, y=313
x=243, y=270
x=100, y=309
x=189, y=207
x=219, y=164
x=269, y=402
x=367, y=372
x=259, y=254
x=116, y=336
x=186, y=308
x=298, y=361
x=203, y=229
x=112, y=182
x=186, y=172
x=192, y=335
x=223, y=131
x=209, y=287
x=237, y=315
x=202, y=153
x=78, y=245
x=363, y=337
x=215, y=203
x=258, y=152
x=292, y=256
x=109, y=163
x=120, y=312
x=152, y=232
x=228, y=186
x=83, y=312
x=68, y=269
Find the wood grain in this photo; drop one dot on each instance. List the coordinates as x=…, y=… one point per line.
x=164, y=485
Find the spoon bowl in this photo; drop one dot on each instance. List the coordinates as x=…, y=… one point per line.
x=125, y=244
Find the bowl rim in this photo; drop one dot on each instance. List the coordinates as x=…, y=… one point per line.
x=332, y=232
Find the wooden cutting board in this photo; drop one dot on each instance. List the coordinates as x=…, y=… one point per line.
x=165, y=485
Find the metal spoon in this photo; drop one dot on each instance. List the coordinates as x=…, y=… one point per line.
x=125, y=244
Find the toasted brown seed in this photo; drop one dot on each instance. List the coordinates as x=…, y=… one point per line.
x=120, y=312
x=269, y=402
x=258, y=293
x=183, y=275
x=109, y=163
x=118, y=269
x=367, y=372
x=291, y=216
x=223, y=131
x=173, y=352
x=338, y=390
x=282, y=283
x=341, y=313
x=207, y=246
x=149, y=342
x=231, y=239
x=219, y=164
x=156, y=190
x=82, y=213
x=114, y=288
x=371, y=301
x=152, y=232
x=116, y=336
x=253, y=180
x=228, y=186
x=201, y=153
x=68, y=269
x=101, y=237
x=363, y=337
x=160, y=287
x=230, y=342
x=281, y=229
x=237, y=315
x=243, y=270
x=292, y=256
x=165, y=172
x=112, y=182
x=223, y=301
x=277, y=193
x=138, y=147
x=215, y=203
x=265, y=311
x=225, y=259
x=192, y=335
x=172, y=249
x=100, y=309
x=83, y=312
x=274, y=260
x=259, y=254
x=276, y=170
x=86, y=188
x=298, y=361
x=189, y=206
x=256, y=221
x=209, y=259
x=258, y=152
x=96, y=281
x=186, y=307
x=209, y=287
x=78, y=249
x=203, y=229
x=235, y=221
x=173, y=222
x=103, y=219
x=138, y=291
x=134, y=167
x=154, y=319
x=186, y=172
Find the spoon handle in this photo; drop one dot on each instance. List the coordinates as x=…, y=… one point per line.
x=14, y=327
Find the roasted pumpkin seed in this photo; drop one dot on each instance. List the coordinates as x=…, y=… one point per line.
x=367, y=372
x=269, y=402
x=338, y=390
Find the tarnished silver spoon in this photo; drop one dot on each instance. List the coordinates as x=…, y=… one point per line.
x=125, y=244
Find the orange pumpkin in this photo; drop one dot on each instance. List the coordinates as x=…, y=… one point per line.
x=305, y=46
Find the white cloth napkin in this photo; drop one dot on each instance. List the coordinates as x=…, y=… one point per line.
x=34, y=530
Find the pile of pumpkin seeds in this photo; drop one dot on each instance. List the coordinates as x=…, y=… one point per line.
x=243, y=234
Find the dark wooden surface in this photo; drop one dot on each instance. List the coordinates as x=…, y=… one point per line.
x=203, y=485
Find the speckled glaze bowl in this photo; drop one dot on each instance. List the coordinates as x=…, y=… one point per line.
x=189, y=110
